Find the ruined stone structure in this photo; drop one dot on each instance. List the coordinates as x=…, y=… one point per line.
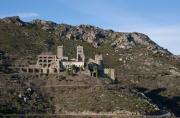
x=96, y=68
x=99, y=59
x=60, y=52
x=80, y=54
x=50, y=64
x=56, y=63
x=78, y=62
x=53, y=64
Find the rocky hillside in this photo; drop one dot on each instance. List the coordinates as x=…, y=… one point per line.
x=93, y=35
x=141, y=64
x=25, y=40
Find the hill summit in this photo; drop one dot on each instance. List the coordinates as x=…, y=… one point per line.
x=91, y=34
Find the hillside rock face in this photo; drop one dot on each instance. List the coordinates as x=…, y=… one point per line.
x=144, y=40
x=45, y=25
x=97, y=36
x=13, y=20
x=93, y=35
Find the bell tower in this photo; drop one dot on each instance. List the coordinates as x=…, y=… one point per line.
x=60, y=52
x=80, y=53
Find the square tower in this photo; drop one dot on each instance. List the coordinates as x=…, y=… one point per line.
x=80, y=53
x=59, y=52
x=99, y=59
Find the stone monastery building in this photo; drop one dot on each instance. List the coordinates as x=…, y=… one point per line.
x=55, y=63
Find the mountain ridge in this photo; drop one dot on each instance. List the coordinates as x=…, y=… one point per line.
x=93, y=35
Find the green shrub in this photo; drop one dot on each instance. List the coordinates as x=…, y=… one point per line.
x=61, y=77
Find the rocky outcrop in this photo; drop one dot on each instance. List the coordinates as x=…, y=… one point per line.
x=45, y=25
x=144, y=40
x=123, y=41
x=93, y=35
x=88, y=33
x=13, y=20
x=97, y=36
